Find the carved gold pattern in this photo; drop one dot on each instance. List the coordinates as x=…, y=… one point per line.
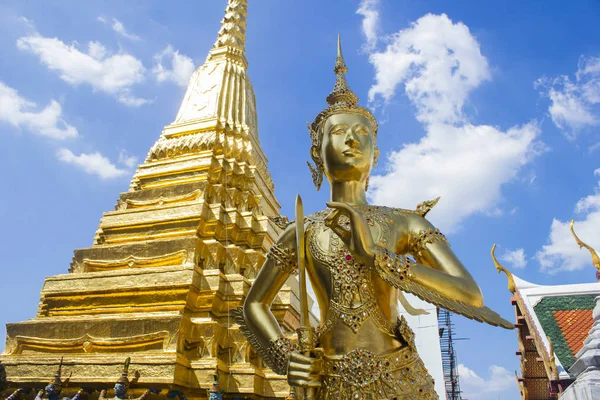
x=425, y=237
x=90, y=344
x=285, y=259
x=135, y=262
x=353, y=301
x=361, y=374
x=130, y=204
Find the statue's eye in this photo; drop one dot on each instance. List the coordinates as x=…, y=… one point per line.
x=362, y=131
x=338, y=131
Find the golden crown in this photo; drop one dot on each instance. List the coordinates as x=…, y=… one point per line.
x=341, y=100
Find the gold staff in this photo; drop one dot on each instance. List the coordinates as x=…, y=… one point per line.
x=306, y=333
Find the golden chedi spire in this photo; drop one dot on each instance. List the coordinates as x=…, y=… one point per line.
x=219, y=92
x=233, y=26
x=176, y=255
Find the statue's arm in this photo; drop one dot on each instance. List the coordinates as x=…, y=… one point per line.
x=17, y=394
x=267, y=336
x=145, y=395
x=437, y=266
x=78, y=395
x=102, y=395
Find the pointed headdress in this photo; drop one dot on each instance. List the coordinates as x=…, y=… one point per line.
x=123, y=379
x=57, y=382
x=341, y=100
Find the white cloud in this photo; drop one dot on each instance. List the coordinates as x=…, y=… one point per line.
x=574, y=105
x=18, y=112
x=562, y=253
x=180, y=69
x=465, y=165
x=127, y=159
x=439, y=63
x=370, y=24
x=114, y=75
x=475, y=387
x=119, y=28
x=93, y=164
x=516, y=258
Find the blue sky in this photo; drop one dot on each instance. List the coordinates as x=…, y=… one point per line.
x=493, y=106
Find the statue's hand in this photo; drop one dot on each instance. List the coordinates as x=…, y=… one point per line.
x=357, y=237
x=303, y=371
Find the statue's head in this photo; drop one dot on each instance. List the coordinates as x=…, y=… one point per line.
x=52, y=390
x=343, y=135
x=120, y=390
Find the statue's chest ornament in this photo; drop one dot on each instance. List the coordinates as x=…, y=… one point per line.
x=353, y=298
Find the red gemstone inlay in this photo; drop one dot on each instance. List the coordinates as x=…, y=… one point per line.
x=348, y=257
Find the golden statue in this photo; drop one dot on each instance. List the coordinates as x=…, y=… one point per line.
x=357, y=259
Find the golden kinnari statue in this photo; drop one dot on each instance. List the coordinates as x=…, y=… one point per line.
x=357, y=258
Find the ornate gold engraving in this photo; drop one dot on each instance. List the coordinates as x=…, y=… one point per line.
x=171, y=259
x=90, y=344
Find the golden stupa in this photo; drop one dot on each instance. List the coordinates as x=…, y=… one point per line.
x=177, y=254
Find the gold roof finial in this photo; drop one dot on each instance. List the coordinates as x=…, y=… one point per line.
x=595, y=257
x=511, y=281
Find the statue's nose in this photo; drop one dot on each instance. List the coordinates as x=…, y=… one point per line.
x=351, y=139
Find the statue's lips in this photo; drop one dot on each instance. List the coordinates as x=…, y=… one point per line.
x=352, y=153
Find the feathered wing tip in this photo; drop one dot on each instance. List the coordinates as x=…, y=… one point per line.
x=317, y=175
x=481, y=314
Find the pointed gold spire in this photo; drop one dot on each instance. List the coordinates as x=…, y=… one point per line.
x=511, y=281
x=341, y=95
x=595, y=257
x=233, y=26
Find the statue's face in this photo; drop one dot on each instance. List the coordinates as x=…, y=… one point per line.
x=347, y=148
x=120, y=390
x=52, y=391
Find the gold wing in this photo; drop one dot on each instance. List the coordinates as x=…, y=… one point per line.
x=481, y=314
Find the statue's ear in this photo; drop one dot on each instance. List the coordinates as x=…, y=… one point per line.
x=315, y=153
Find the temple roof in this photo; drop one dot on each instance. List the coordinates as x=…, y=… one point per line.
x=560, y=317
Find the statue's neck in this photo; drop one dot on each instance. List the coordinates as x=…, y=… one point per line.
x=351, y=192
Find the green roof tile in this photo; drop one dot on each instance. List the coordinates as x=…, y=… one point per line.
x=545, y=313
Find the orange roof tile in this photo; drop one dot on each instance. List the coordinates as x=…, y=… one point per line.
x=575, y=326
